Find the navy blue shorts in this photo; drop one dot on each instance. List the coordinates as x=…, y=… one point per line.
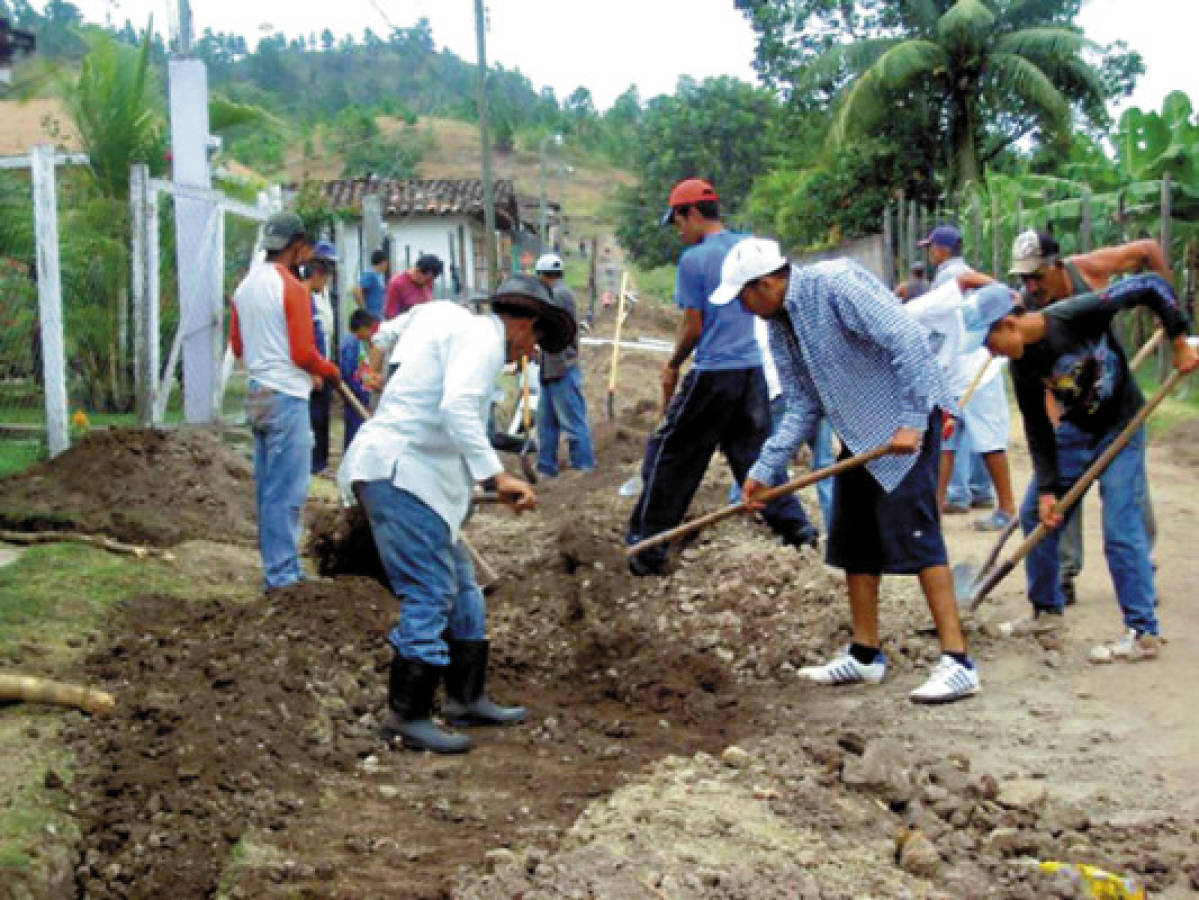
x=876, y=533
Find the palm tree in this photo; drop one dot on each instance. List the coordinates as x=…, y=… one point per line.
x=980, y=73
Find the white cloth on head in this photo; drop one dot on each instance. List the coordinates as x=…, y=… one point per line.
x=774, y=387
x=429, y=434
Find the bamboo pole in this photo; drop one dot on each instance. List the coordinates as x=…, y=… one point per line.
x=41, y=690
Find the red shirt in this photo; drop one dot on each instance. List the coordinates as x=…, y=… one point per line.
x=403, y=293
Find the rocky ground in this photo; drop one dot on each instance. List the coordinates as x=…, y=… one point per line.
x=671, y=750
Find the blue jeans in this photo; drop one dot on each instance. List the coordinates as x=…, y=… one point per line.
x=562, y=408
x=433, y=578
x=1125, y=540
x=822, y=457
x=1072, y=546
x=283, y=444
x=970, y=480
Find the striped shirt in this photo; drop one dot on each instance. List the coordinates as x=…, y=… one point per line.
x=846, y=348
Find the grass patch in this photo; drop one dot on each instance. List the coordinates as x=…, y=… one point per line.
x=1181, y=405
x=247, y=853
x=655, y=285
x=34, y=828
x=17, y=456
x=59, y=591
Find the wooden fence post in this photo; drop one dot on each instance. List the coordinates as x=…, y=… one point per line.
x=49, y=295
x=1085, y=237
x=913, y=235
x=996, y=238
x=888, y=249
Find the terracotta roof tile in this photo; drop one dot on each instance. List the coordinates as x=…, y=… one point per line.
x=428, y=197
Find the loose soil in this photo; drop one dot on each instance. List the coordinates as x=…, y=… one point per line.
x=141, y=486
x=243, y=756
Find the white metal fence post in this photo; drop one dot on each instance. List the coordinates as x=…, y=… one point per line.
x=143, y=375
x=49, y=291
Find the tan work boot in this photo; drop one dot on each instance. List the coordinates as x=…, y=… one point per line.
x=1038, y=622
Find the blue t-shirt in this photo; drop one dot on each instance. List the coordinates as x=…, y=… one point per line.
x=373, y=288
x=727, y=341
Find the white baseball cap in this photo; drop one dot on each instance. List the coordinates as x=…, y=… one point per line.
x=751, y=258
x=548, y=262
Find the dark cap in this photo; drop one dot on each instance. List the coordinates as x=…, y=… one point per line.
x=943, y=236
x=527, y=295
x=281, y=229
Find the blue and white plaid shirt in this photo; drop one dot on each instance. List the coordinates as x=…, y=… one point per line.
x=846, y=348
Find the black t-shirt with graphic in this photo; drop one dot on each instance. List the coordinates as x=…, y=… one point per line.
x=1084, y=367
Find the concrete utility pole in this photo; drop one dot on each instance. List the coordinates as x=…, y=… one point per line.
x=542, y=221
x=198, y=230
x=490, y=253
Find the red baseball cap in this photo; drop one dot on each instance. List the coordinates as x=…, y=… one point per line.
x=687, y=192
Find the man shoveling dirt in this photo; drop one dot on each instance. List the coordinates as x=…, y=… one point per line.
x=1068, y=347
x=846, y=348
x=413, y=467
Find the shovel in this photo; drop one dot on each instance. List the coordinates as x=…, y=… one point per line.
x=620, y=312
x=528, y=452
x=979, y=591
x=966, y=578
x=790, y=487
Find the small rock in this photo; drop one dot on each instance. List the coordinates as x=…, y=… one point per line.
x=1023, y=793
x=918, y=856
x=388, y=791
x=735, y=757
x=53, y=780
x=498, y=858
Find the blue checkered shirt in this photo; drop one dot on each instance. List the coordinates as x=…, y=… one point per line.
x=846, y=348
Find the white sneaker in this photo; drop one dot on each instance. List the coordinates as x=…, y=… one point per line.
x=844, y=669
x=949, y=681
x=1133, y=646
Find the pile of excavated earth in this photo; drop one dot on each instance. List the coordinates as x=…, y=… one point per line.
x=671, y=750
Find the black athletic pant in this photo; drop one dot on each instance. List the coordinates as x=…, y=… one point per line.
x=728, y=409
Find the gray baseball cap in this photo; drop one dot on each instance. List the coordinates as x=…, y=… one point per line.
x=280, y=229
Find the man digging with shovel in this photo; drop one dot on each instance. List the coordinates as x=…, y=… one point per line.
x=413, y=467
x=1068, y=347
x=846, y=348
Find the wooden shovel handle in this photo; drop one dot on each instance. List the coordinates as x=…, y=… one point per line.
x=789, y=488
x=1079, y=488
x=526, y=411
x=355, y=403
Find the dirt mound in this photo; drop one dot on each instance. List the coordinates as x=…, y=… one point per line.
x=142, y=486
x=224, y=713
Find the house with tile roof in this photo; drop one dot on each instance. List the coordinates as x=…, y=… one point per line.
x=439, y=216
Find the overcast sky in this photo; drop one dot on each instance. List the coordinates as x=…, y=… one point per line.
x=609, y=45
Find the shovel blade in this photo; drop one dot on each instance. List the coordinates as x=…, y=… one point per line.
x=965, y=582
x=632, y=487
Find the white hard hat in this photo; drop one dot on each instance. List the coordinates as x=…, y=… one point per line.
x=548, y=262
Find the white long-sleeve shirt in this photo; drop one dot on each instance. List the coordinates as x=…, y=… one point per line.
x=939, y=311
x=429, y=435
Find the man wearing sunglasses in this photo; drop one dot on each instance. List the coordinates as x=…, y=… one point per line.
x=1048, y=278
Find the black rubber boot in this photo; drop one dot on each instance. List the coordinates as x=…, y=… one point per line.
x=410, y=708
x=465, y=703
